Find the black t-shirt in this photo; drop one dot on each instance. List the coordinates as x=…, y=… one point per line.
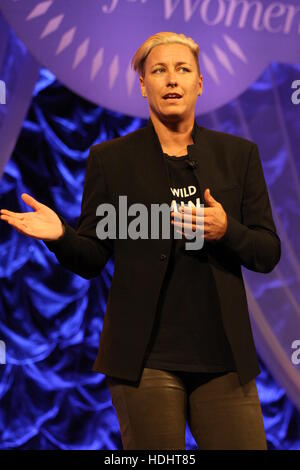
x=188, y=333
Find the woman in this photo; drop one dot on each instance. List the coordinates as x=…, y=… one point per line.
x=176, y=343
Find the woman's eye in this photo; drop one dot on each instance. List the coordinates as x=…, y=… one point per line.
x=183, y=68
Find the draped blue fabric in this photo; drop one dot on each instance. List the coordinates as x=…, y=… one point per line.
x=50, y=318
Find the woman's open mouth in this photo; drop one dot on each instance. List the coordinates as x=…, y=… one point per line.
x=172, y=96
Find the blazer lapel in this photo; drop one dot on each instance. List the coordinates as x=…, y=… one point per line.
x=154, y=169
x=202, y=152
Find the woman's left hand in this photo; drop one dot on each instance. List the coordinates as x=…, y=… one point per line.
x=212, y=220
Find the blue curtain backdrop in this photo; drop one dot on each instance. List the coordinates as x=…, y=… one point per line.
x=50, y=318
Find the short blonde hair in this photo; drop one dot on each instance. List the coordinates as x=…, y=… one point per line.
x=165, y=37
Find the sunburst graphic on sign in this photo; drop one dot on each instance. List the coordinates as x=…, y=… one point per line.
x=67, y=38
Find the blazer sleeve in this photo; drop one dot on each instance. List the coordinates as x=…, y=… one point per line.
x=80, y=250
x=255, y=241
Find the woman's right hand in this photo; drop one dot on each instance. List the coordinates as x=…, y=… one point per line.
x=43, y=223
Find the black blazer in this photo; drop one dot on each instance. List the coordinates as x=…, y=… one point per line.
x=133, y=165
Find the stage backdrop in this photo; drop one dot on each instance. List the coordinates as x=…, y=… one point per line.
x=51, y=319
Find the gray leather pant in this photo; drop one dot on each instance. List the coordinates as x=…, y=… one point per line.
x=221, y=413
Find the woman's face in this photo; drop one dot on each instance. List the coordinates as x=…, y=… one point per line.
x=171, y=68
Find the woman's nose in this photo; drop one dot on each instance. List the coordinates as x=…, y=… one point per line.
x=172, y=79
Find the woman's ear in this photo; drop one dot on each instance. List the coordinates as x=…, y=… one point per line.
x=142, y=86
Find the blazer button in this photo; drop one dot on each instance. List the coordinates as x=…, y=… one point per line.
x=163, y=257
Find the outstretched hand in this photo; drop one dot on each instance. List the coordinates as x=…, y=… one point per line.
x=212, y=220
x=43, y=223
